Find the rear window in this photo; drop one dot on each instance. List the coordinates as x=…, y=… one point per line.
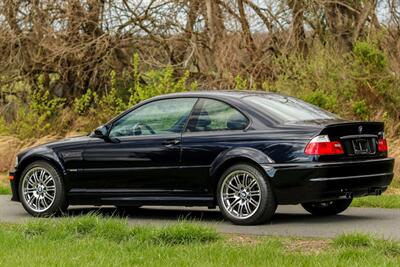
x=287, y=109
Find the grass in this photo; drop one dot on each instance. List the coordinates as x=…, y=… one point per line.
x=96, y=241
x=4, y=184
x=384, y=201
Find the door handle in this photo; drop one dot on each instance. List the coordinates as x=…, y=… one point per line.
x=172, y=142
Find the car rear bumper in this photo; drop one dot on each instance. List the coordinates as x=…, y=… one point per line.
x=308, y=182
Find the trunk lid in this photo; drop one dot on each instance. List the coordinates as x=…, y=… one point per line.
x=358, y=139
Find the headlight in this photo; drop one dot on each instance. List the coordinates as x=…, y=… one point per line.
x=16, y=162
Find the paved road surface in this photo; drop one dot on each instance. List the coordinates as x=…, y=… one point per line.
x=289, y=220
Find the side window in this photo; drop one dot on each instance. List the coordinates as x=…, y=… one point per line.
x=155, y=118
x=216, y=116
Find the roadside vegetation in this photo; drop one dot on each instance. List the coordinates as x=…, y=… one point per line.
x=96, y=241
x=314, y=79
x=387, y=201
x=4, y=184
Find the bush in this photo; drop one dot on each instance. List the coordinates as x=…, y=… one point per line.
x=39, y=117
x=360, y=109
x=83, y=103
x=367, y=55
x=157, y=82
x=322, y=99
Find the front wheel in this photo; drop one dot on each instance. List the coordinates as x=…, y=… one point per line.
x=245, y=196
x=327, y=208
x=41, y=190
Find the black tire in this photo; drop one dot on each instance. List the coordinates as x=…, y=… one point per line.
x=327, y=208
x=59, y=204
x=267, y=203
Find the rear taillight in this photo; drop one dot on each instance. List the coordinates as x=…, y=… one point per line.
x=382, y=145
x=321, y=145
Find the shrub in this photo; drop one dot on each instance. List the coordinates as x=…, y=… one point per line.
x=40, y=117
x=371, y=58
x=83, y=103
x=157, y=82
x=360, y=109
x=322, y=99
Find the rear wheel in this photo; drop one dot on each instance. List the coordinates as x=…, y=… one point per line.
x=41, y=190
x=245, y=196
x=327, y=208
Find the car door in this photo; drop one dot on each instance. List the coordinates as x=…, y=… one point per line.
x=214, y=127
x=145, y=154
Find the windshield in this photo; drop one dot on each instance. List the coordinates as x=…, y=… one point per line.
x=287, y=109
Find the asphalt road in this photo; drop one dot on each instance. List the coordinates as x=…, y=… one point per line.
x=288, y=221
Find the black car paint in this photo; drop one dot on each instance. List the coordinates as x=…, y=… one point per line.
x=183, y=168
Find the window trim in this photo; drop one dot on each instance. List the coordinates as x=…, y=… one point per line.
x=199, y=105
x=111, y=123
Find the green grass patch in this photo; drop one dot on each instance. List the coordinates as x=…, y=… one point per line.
x=5, y=190
x=4, y=184
x=112, y=229
x=96, y=241
x=383, y=201
x=362, y=242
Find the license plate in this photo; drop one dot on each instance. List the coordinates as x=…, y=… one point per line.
x=361, y=146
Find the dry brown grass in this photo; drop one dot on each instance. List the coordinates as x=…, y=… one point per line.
x=239, y=239
x=308, y=246
x=303, y=245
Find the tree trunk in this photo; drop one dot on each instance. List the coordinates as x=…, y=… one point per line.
x=297, y=30
x=245, y=27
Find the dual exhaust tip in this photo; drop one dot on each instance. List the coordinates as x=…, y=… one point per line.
x=374, y=191
x=378, y=191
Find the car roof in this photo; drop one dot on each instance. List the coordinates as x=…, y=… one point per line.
x=214, y=94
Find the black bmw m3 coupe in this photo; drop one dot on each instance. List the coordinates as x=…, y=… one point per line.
x=245, y=152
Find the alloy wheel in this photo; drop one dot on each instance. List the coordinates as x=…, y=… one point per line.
x=38, y=189
x=241, y=194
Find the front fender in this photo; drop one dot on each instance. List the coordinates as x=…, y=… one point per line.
x=39, y=153
x=29, y=156
x=248, y=154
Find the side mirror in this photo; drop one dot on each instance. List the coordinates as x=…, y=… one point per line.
x=101, y=131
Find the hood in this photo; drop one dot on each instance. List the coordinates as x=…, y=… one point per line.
x=66, y=142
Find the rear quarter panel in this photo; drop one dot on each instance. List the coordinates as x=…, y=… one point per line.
x=203, y=153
